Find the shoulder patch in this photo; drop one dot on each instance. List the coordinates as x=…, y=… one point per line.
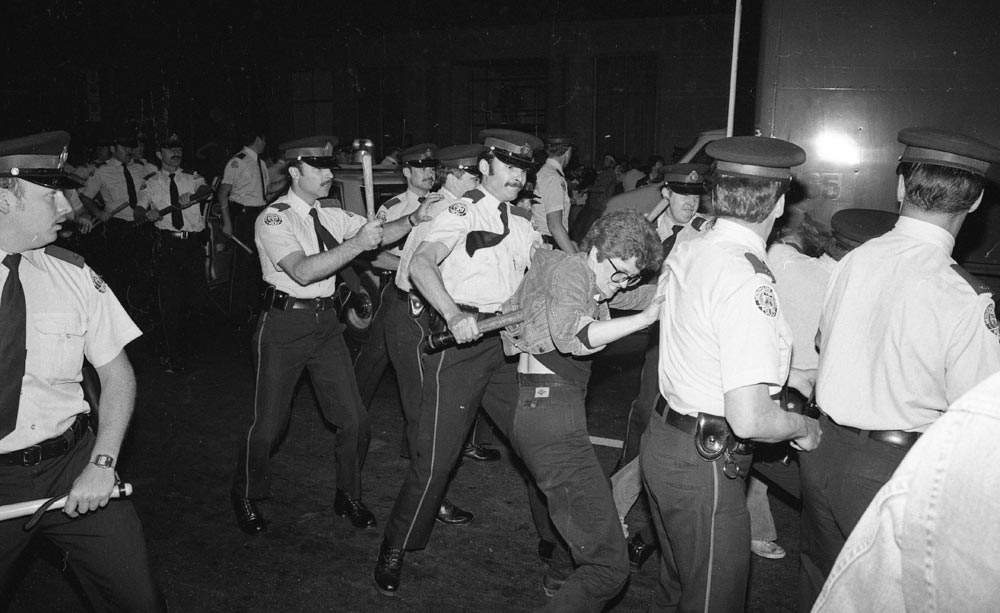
x=457, y=208
x=759, y=266
x=990, y=319
x=474, y=195
x=382, y=216
x=516, y=210
x=765, y=300
x=977, y=286
x=272, y=219
x=281, y=206
x=99, y=283
x=234, y=164
x=65, y=255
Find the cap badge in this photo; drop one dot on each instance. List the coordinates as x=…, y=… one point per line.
x=694, y=177
x=525, y=150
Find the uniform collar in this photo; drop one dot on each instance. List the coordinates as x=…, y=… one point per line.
x=298, y=204
x=555, y=164
x=446, y=193
x=728, y=228
x=412, y=195
x=32, y=255
x=925, y=232
x=250, y=152
x=488, y=199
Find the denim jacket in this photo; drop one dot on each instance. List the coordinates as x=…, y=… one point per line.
x=559, y=297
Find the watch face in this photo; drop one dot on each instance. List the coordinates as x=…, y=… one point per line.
x=104, y=461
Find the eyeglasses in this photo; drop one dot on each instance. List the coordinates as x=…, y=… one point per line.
x=623, y=278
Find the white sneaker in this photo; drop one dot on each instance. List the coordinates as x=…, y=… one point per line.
x=767, y=549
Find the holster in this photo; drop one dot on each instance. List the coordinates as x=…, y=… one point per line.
x=711, y=436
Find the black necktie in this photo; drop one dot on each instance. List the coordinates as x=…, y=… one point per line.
x=133, y=199
x=668, y=243
x=176, y=215
x=263, y=182
x=327, y=241
x=13, y=342
x=483, y=239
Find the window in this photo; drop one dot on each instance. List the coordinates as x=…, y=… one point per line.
x=508, y=94
x=625, y=109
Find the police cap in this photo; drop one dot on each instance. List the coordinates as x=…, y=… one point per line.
x=464, y=157
x=38, y=159
x=755, y=157
x=853, y=227
x=685, y=178
x=125, y=138
x=560, y=139
x=316, y=151
x=944, y=148
x=512, y=147
x=420, y=156
x=169, y=140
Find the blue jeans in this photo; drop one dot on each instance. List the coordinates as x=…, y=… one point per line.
x=550, y=434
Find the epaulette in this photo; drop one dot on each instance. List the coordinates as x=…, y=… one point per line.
x=61, y=253
x=393, y=202
x=977, y=286
x=698, y=222
x=281, y=206
x=759, y=266
x=516, y=210
x=241, y=155
x=474, y=195
x=188, y=172
x=149, y=176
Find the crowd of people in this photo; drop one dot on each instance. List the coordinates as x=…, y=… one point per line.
x=846, y=345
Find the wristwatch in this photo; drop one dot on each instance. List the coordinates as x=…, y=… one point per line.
x=104, y=461
x=409, y=218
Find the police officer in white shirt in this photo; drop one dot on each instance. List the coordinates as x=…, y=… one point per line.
x=904, y=332
x=54, y=311
x=469, y=263
x=724, y=350
x=550, y=210
x=303, y=247
x=175, y=197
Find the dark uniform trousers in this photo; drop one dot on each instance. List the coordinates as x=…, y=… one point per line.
x=245, y=276
x=127, y=259
x=457, y=380
x=105, y=548
x=285, y=343
x=839, y=480
x=372, y=360
x=180, y=274
x=404, y=336
x=550, y=434
x=701, y=522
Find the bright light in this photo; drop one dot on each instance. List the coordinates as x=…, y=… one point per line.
x=838, y=149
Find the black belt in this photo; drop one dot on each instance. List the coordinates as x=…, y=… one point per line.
x=277, y=299
x=688, y=424
x=178, y=233
x=244, y=208
x=54, y=447
x=896, y=438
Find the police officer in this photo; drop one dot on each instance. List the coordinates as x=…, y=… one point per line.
x=175, y=197
x=677, y=220
x=724, y=349
x=46, y=446
x=419, y=169
x=302, y=247
x=904, y=332
x=241, y=196
x=470, y=262
x=117, y=187
x=550, y=210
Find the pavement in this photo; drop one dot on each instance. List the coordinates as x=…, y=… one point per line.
x=180, y=454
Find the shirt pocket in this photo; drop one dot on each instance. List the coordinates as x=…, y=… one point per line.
x=58, y=358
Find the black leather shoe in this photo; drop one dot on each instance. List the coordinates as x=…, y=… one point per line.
x=545, y=549
x=480, y=453
x=346, y=506
x=388, y=568
x=453, y=516
x=248, y=518
x=638, y=552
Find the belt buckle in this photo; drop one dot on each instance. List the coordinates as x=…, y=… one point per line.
x=320, y=304
x=31, y=459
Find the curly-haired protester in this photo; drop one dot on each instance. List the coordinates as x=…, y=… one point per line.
x=566, y=301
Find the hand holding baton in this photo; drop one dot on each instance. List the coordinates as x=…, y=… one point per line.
x=440, y=340
x=30, y=507
x=364, y=147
